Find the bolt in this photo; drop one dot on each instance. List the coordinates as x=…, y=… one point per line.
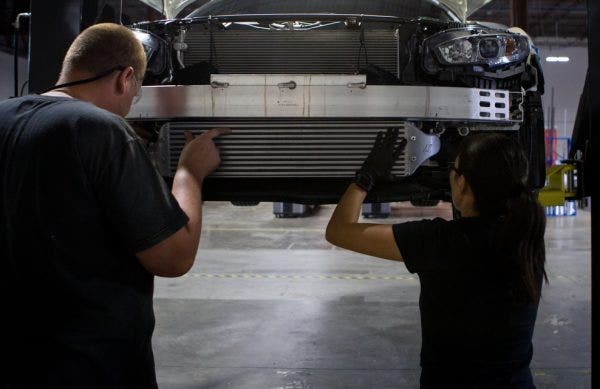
x=413, y=158
x=463, y=131
x=413, y=138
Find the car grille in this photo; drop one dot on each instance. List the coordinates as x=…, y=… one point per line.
x=288, y=52
x=286, y=150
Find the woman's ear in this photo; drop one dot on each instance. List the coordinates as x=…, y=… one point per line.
x=461, y=184
x=466, y=193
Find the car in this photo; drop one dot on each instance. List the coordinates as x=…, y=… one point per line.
x=305, y=86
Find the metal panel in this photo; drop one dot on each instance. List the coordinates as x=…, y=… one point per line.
x=277, y=79
x=296, y=149
x=327, y=101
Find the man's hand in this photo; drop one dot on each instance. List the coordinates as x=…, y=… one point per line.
x=200, y=156
x=380, y=161
x=175, y=255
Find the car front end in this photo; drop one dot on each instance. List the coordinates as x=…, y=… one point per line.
x=306, y=93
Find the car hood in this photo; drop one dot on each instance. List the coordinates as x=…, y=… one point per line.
x=461, y=8
x=464, y=8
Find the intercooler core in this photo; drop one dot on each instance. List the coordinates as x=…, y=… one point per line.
x=296, y=149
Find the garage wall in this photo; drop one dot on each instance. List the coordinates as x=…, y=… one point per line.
x=6, y=75
x=567, y=79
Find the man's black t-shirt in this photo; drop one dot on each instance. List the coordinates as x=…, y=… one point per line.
x=474, y=333
x=78, y=198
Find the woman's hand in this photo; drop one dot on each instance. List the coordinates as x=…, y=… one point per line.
x=379, y=163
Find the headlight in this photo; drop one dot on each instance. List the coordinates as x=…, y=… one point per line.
x=155, y=51
x=475, y=47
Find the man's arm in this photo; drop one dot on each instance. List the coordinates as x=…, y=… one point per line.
x=344, y=230
x=175, y=255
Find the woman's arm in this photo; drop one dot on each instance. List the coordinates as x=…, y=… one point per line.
x=344, y=230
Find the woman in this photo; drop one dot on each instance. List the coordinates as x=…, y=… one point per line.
x=480, y=275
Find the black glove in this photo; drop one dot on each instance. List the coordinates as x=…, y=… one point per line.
x=380, y=161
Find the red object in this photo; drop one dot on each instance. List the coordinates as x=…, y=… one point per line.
x=551, y=141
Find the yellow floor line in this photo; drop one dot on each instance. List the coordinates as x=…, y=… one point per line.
x=341, y=277
x=265, y=229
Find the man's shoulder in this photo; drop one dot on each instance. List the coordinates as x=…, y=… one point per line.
x=88, y=112
x=59, y=108
x=90, y=121
x=89, y=126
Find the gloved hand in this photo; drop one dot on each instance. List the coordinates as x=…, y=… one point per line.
x=380, y=161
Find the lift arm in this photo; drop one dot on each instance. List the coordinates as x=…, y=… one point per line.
x=561, y=184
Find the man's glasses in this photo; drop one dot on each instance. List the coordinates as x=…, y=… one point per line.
x=138, y=94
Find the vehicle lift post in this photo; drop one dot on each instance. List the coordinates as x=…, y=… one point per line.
x=376, y=210
x=290, y=210
x=284, y=210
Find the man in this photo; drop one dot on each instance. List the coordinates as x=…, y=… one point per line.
x=86, y=222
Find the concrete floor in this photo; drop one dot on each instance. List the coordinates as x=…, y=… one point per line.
x=270, y=304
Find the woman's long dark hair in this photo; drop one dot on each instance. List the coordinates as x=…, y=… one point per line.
x=496, y=169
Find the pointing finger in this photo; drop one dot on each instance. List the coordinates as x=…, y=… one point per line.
x=188, y=136
x=214, y=132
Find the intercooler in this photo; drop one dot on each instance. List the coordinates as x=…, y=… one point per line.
x=295, y=149
x=316, y=51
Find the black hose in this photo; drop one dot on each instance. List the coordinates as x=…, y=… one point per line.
x=23, y=87
x=17, y=27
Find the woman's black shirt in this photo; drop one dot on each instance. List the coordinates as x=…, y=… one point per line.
x=474, y=333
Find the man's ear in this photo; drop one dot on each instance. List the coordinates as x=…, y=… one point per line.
x=123, y=78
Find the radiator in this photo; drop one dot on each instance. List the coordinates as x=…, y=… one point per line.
x=294, y=51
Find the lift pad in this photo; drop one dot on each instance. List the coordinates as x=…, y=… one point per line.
x=561, y=185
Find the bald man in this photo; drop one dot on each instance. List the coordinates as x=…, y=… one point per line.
x=86, y=222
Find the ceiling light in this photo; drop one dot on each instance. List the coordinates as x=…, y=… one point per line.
x=557, y=59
